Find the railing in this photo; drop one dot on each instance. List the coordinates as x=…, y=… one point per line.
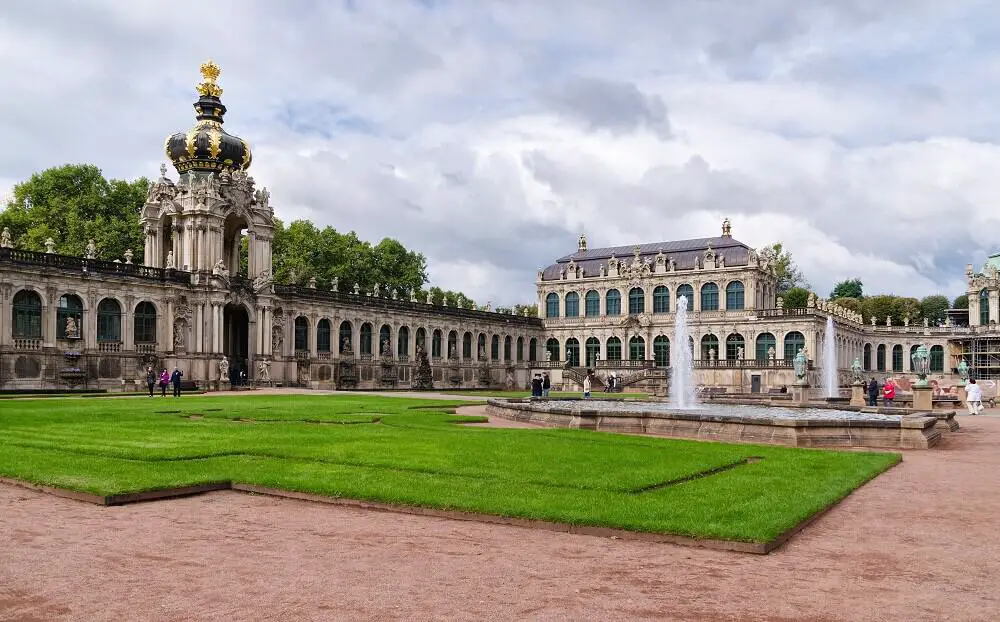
x=323, y=355
x=625, y=363
x=302, y=355
x=109, y=346
x=747, y=364
x=27, y=344
x=403, y=358
x=83, y=265
x=145, y=348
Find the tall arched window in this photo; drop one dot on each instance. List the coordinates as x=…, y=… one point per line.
x=552, y=346
x=70, y=307
x=613, y=302
x=403, y=341
x=984, y=307
x=27, y=315
x=436, y=344
x=734, y=296
x=421, y=339
x=897, y=357
x=868, y=357
x=880, y=357
x=385, y=340
x=520, y=349
x=913, y=350
x=735, y=347
x=613, y=349
x=573, y=352
x=366, y=338
x=709, y=297
x=765, y=342
x=453, y=345
x=323, y=331
x=686, y=291
x=661, y=300
x=572, y=304
x=301, y=334
x=552, y=305
x=467, y=346
x=507, y=345
x=794, y=341
x=709, y=347
x=109, y=320
x=636, y=301
x=495, y=348
x=345, y=338
x=481, y=347
x=144, y=323
x=593, y=347
x=937, y=359
x=592, y=303
x=636, y=348
x=661, y=351
x=532, y=349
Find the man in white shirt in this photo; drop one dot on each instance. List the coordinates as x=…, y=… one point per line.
x=974, y=397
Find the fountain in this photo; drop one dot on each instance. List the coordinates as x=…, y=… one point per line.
x=682, y=369
x=831, y=385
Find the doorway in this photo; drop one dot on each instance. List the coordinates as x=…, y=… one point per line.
x=236, y=343
x=755, y=383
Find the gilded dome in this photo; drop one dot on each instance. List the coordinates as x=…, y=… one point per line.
x=206, y=146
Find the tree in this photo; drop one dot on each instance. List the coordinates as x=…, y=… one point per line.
x=423, y=379
x=961, y=302
x=788, y=273
x=852, y=304
x=796, y=298
x=935, y=309
x=851, y=288
x=894, y=307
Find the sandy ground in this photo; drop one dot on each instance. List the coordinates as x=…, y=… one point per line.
x=918, y=543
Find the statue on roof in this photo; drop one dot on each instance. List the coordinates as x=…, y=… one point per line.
x=727, y=228
x=582, y=243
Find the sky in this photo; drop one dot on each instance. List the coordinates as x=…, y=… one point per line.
x=862, y=134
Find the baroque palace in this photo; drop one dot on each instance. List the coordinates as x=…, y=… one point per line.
x=87, y=322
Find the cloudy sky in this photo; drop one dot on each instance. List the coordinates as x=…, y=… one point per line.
x=861, y=133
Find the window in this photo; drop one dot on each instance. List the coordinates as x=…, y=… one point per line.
x=734, y=296
x=346, y=337
x=323, y=331
x=520, y=349
x=552, y=305
x=403, y=341
x=109, y=320
x=613, y=302
x=593, y=347
x=686, y=291
x=467, y=346
x=495, y=348
x=897, y=357
x=709, y=347
x=27, y=315
x=913, y=350
x=937, y=359
x=636, y=301
x=573, y=352
x=301, y=334
x=735, y=347
x=794, y=341
x=661, y=351
x=766, y=341
x=636, y=348
x=661, y=300
x=144, y=322
x=481, y=349
x=613, y=348
x=366, y=338
x=436, y=344
x=532, y=349
x=453, y=345
x=421, y=340
x=507, y=342
x=880, y=357
x=868, y=357
x=385, y=341
x=69, y=317
x=572, y=304
x=552, y=347
x=592, y=303
x=709, y=297
x=984, y=308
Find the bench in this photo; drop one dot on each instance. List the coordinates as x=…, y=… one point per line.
x=779, y=391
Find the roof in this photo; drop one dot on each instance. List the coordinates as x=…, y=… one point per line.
x=684, y=253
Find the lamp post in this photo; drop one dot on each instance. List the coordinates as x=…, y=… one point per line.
x=921, y=365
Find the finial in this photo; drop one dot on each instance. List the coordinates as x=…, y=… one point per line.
x=582, y=245
x=210, y=72
x=727, y=229
x=163, y=169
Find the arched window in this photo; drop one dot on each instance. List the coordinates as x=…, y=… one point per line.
x=709, y=297
x=467, y=346
x=27, y=315
x=109, y=320
x=403, y=341
x=880, y=357
x=636, y=301
x=686, y=291
x=520, y=349
x=346, y=337
x=794, y=341
x=366, y=338
x=323, y=331
x=709, y=347
x=495, y=348
x=937, y=359
x=613, y=302
x=734, y=296
x=636, y=348
x=897, y=357
x=592, y=303
x=867, y=363
x=552, y=346
x=552, y=305
x=984, y=308
x=533, y=349
x=481, y=347
x=385, y=340
x=765, y=342
x=572, y=304
x=507, y=344
x=573, y=352
x=70, y=306
x=613, y=348
x=913, y=350
x=421, y=339
x=301, y=334
x=593, y=347
x=436, y=344
x=735, y=347
x=661, y=300
x=144, y=323
x=661, y=351
x=453, y=345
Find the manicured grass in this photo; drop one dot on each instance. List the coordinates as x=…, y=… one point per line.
x=406, y=451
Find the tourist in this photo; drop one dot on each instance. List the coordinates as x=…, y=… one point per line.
x=974, y=397
x=586, y=386
x=873, y=392
x=536, y=386
x=175, y=379
x=150, y=379
x=888, y=392
x=164, y=381
x=546, y=384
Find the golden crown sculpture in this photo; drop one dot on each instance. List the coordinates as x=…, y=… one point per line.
x=210, y=72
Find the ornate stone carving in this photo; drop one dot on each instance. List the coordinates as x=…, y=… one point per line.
x=224, y=368
x=6, y=241
x=50, y=246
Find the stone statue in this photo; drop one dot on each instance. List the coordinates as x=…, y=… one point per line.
x=386, y=351
x=395, y=293
x=711, y=354
x=224, y=369
x=263, y=371
x=312, y=282
x=873, y=320
x=357, y=289
x=906, y=320
x=72, y=328
x=335, y=286
x=548, y=355
x=345, y=346
x=857, y=376
x=452, y=353
x=170, y=259
x=780, y=303
x=5, y=239
x=263, y=198
x=276, y=339
x=375, y=290
x=50, y=246
x=739, y=353
x=129, y=255
x=220, y=269
x=812, y=300
x=927, y=323
x=429, y=300
x=413, y=295
x=771, y=354
x=91, y=250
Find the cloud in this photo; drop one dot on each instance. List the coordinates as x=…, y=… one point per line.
x=489, y=135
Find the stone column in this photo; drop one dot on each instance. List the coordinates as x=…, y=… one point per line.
x=994, y=305
x=49, y=330
x=169, y=328
x=6, y=315
x=199, y=327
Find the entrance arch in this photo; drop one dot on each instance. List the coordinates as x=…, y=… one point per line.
x=236, y=341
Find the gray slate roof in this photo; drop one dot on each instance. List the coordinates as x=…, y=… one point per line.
x=683, y=252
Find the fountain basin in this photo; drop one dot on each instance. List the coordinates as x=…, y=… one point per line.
x=794, y=427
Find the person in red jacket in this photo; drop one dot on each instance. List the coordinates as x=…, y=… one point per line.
x=888, y=392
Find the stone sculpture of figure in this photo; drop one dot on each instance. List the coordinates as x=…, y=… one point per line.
x=963, y=371
x=224, y=368
x=129, y=255
x=873, y=320
x=357, y=289
x=91, y=250
x=430, y=301
x=488, y=305
x=926, y=323
x=711, y=354
x=413, y=295
x=548, y=356
x=263, y=371
x=780, y=303
x=888, y=320
x=510, y=381
x=220, y=268
x=335, y=286
x=5, y=239
x=739, y=353
x=375, y=290
x=812, y=300
x=771, y=353
x=263, y=199
x=170, y=259
x=385, y=348
x=452, y=353
x=345, y=346
x=50, y=246
x=857, y=375
x=72, y=328
x=906, y=320
x=312, y=282
x=395, y=293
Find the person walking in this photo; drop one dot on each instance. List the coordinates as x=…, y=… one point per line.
x=164, y=381
x=586, y=387
x=974, y=397
x=150, y=379
x=175, y=379
x=888, y=392
x=536, y=386
x=873, y=393
x=546, y=385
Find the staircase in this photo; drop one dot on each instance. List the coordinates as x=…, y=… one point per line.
x=577, y=374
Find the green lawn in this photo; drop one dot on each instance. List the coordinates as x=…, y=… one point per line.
x=406, y=451
x=553, y=394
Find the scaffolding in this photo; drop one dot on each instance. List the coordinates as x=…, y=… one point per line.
x=982, y=354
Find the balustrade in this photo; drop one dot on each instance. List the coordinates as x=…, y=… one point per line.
x=109, y=346
x=27, y=344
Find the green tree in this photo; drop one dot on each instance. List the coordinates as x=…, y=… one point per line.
x=796, y=298
x=854, y=304
x=851, y=288
x=935, y=309
x=895, y=307
x=961, y=302
x=788, y=273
